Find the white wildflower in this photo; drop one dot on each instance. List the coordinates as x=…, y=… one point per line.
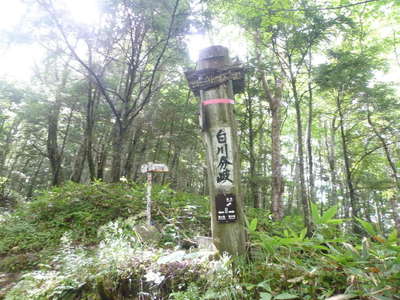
x=155, y=277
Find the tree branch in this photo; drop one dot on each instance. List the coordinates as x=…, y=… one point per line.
x=323, y=8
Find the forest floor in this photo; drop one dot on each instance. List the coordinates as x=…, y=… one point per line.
x=7, y=281
x=91, y=242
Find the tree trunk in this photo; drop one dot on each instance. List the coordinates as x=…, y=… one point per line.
x=277, y=186
x=347, y=163
x=79, y=163
x=5, y=149
x=252, y=159
x=32, y=183
x=309, y=145
x=274, y=98
x=330, y=142
x=300, y=147
x=53, y=152
x=102, y=149
x=92, y=96
x=128, y=168
x=309, y=130
x=395, y=176
x=294, y=176
x=117, y=152
x=275, y=104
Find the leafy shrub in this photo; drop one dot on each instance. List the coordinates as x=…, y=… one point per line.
x=183, y=215
x=81, y=209
x=290, y=265
x=123, y=268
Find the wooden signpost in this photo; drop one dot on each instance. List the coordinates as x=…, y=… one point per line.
x=149, y=169
x=215, y=81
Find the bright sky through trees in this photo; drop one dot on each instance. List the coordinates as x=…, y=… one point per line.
x=17, y=64
x=17, y=61
x=229, y=36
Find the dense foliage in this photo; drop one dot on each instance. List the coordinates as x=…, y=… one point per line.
x=111, y=259
x=35, y=228
x=318, y=128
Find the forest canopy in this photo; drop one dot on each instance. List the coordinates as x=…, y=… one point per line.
x=91, y=92
x=317, y=120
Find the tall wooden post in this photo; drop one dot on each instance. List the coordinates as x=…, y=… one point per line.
x=215, y=80
x=149, y=169
x=148, y=197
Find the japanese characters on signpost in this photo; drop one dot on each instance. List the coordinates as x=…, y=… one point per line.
x=149, y=169
x=216, y=80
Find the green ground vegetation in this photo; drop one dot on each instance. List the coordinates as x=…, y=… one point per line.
x=80, y=242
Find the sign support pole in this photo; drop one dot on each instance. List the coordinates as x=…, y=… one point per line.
x=214, y=82
x=148, y=198
x=149, y=169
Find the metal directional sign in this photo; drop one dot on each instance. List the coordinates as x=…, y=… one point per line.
x=154, y=168
x=226, y=208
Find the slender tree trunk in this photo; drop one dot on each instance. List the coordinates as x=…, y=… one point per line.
x=23, y=170
x=129, y=163
x=293, y=188
x=309, y=142
x=275, y=104
x=252, y=157
x=33, y=180
x=5, y=149
x=117, y=152
x=101, y=161
x=141, y=159
x=396, y=216
x=330, y=142
x=395, y=175
x=53, y=152
x=274, y=98
x=277, y=186
x=89, y=131
x=300, y=147
x=103, y=144
x=169, y=152
x=347, y=163
x=366, y=207
x=15, y=159
x=378, y=211
x=79, y=163
x=159, y=144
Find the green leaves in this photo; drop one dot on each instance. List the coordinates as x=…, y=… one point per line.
x=327, y=216
x=393, y=236
x=285, y=296
x=314, y=213
x=253, y=225
x=265, y=296
x=368, y=227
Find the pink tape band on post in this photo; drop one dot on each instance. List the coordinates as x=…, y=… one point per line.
x=217, y=101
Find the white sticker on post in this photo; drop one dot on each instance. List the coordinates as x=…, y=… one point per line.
x=223, y=156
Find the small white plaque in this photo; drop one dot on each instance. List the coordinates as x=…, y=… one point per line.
x=154, y=168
